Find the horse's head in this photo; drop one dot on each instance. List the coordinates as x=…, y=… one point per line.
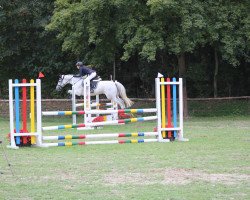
x=63, y=80
x=60, y=84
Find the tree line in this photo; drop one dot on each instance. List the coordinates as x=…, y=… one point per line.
x=204, y=42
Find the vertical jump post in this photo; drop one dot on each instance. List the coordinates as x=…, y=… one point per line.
x=32, y=111
x=17, y=109
x=24, y=111
x=174, y=107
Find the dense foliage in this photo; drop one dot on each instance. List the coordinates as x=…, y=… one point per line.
x=205, y=42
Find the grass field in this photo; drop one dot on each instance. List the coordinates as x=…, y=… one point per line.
x=214, y=164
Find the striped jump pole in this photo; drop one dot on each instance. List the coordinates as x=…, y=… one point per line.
x=82, y=112
x=121, y=121
x=132, y=141
x=105, y=135
x=95, y=104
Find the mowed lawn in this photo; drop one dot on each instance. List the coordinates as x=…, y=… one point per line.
x=214, y=164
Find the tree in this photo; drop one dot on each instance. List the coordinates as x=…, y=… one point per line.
x=85, y=29
x=228, y=32
x=182, y=28
x=25, y=47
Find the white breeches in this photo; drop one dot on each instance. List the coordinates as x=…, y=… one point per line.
x=92, y=75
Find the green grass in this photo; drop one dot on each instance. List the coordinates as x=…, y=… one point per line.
x=214, y=164
x=219, y=108
x=210, y=108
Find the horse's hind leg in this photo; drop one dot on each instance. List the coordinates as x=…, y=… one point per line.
x=120, y=102
x=116, y=100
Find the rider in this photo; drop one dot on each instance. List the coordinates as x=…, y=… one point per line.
x=84, y=70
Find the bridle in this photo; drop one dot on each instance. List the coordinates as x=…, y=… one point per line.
x=68, y=81
x=61, y=81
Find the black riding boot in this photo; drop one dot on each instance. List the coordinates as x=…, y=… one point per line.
x=91, y=87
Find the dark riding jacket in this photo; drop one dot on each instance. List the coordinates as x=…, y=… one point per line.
x=83, y=70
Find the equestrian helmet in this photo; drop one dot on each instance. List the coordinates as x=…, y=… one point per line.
x=79, y=63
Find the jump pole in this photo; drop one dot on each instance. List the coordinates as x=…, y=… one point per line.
x=180, y=134
x=95, y=136
x=73, y=104
x=17, y=111
x=39, y=142
x=32, y=111
x=11, y=111
x=97, y=101
x=159, y=105
x=169, y=114
x=87, y=103
x=163, y=109
x=104, y=135
x=24, y=111
x=122, y=121
x=133, y=141
x=174, y=107
x=82, y=112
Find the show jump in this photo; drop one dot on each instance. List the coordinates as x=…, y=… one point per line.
x=168, y=114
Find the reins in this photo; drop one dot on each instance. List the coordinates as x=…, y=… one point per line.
x=80, y=79
x=61, y=80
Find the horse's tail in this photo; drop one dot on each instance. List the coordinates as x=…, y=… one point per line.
x=122, y=93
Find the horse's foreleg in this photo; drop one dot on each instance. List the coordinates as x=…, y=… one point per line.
x=70, y=92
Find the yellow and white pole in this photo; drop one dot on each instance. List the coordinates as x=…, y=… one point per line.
x=163, y=108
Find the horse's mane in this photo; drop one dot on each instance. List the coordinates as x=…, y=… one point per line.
x=73, y=75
